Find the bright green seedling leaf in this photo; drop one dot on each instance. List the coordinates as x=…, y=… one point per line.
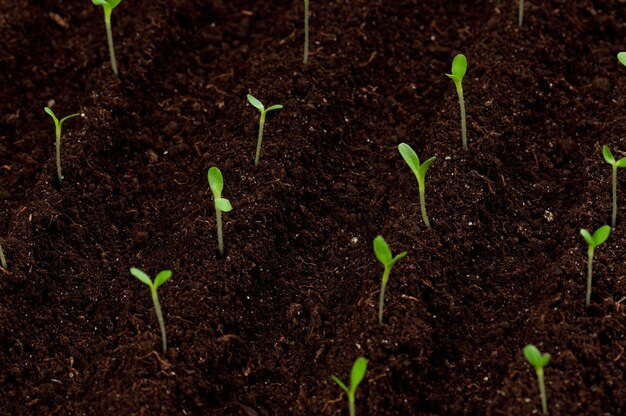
x=359, y=368
x=383, y=254
x=608, y=156
x=259, y=106
x=108, y=6
x=538, y=361
x=459, y=68
x=593, y=241
x=58, y=124
x=306, y=32
x=161, y=278
x=216, y=183
x=621, y=57
x=419, y=170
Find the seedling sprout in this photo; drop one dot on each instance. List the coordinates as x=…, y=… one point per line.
x=411, y=159
x=216, y=183
x=539, y=361
x=459, y=67
x=259, y=106
x=306, y=31
x=520, y=15
x=3, y=260
x=356, y=376
x=161, y=278
x=608, y=156
x=57, y=125
x=108, y=6
x=383, y=254
x=593, y=241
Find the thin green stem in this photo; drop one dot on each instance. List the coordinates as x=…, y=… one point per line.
x=614, y=215
x=3, y=260
x=159, y=314
x=542, y=391
x=107, y=23
x=459, y=90
x=589, y=275
x=220, y=241
x=423, y=207
x=352, y=405
x=306, y=31
x=260, y=140
x=381, y=300
x=58, y=151
x=520, y=15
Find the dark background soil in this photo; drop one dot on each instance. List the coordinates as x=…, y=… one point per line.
x=294, y=301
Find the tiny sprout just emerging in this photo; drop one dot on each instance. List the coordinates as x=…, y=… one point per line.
x=593, y=241
x=161, y=278
x=411, y=159
x=608, y=156
x=459, y=67
x=58, y=124
x=259, y=106
x=306, y=31
x=108, y=6
x=216, y=183
x=356, y=376
x=383, y=254
x=539, y=361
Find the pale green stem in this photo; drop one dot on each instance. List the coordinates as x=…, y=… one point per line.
x=352, y=405
x=220, y=241
x=423, y=205
x=459, y=90
x=614, y=216
x=381, y=300
x=159, y=314
x=3, y=260
x=589, y=274
x=58, y=149
x=520, y=16
x=306, y=31
x=542, y=391
x=107, y=22
x=260, y=140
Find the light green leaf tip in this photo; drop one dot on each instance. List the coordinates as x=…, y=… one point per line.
x=409, y=156
x=621, y=163
x=533, y=355
x=622, y=58
x=275, y=107
x=162, y=277
x=340, y=383
x=459, y=68
x=587, y=236
x=141, y=276
x=358, y=372
x=223, y=204
x=216, y=181
x=256, y=103
x=382, y=251
x=601, y=235
x=608, y=156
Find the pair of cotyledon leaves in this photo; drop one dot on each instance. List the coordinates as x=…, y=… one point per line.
x=216, y=183
x=356, y=376
x=160, y=278
x=608, y=156
x=535, y=357
x=598, y=237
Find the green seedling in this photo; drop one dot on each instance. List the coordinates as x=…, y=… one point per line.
x=459, y=67
x=539, y=361
x=593, y=241
x=108, y=6
x=608, y=156
x=520, y=14
x=621, y=57
x=3, y=260
x=58, y=124
x=383, y=254
x=356, y=376
x=411, y=159
x=306, y=31
x=216, y=183
x=160, y=278
x=259, y=106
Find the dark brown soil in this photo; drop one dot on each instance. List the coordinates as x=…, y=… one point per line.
x=260, y=331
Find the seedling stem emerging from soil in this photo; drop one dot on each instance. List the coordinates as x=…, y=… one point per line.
x=306, y=31
x=259, y=106
x=459, y=67
x=356, y=376
x=593, y=241
x=608, y=156
x=57, y=125
x=383, y=254
x=160, y=278
x=520, y=14
x=411, y=159
x=539, y=361
x=108, y=6
x=216, y=183
x=3, y=260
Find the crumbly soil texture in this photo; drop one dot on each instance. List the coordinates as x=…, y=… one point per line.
x=261, y=330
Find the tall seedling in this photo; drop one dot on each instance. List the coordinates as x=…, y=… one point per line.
x=57, y=127
x=608, y=156
x=459, y=68
x=411, y=159
x=216, y=183
x=383, y=254
x=539, y=361
x=593, y=241
x=259, y=106
x=108, y=6
x=356, y=376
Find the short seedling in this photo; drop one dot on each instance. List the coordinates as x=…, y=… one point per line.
x=3, y=260
x=58, y=124
x=539, y=361
x=216, y=183
x=356, y=376
x=608, y=156
x=459, y=67
x=520, y=14
x=411, y=159
x=593, y=241
x=383, y=254
x=108, y=6
x=259, y=106
x=306, y=31
x=161, y=278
